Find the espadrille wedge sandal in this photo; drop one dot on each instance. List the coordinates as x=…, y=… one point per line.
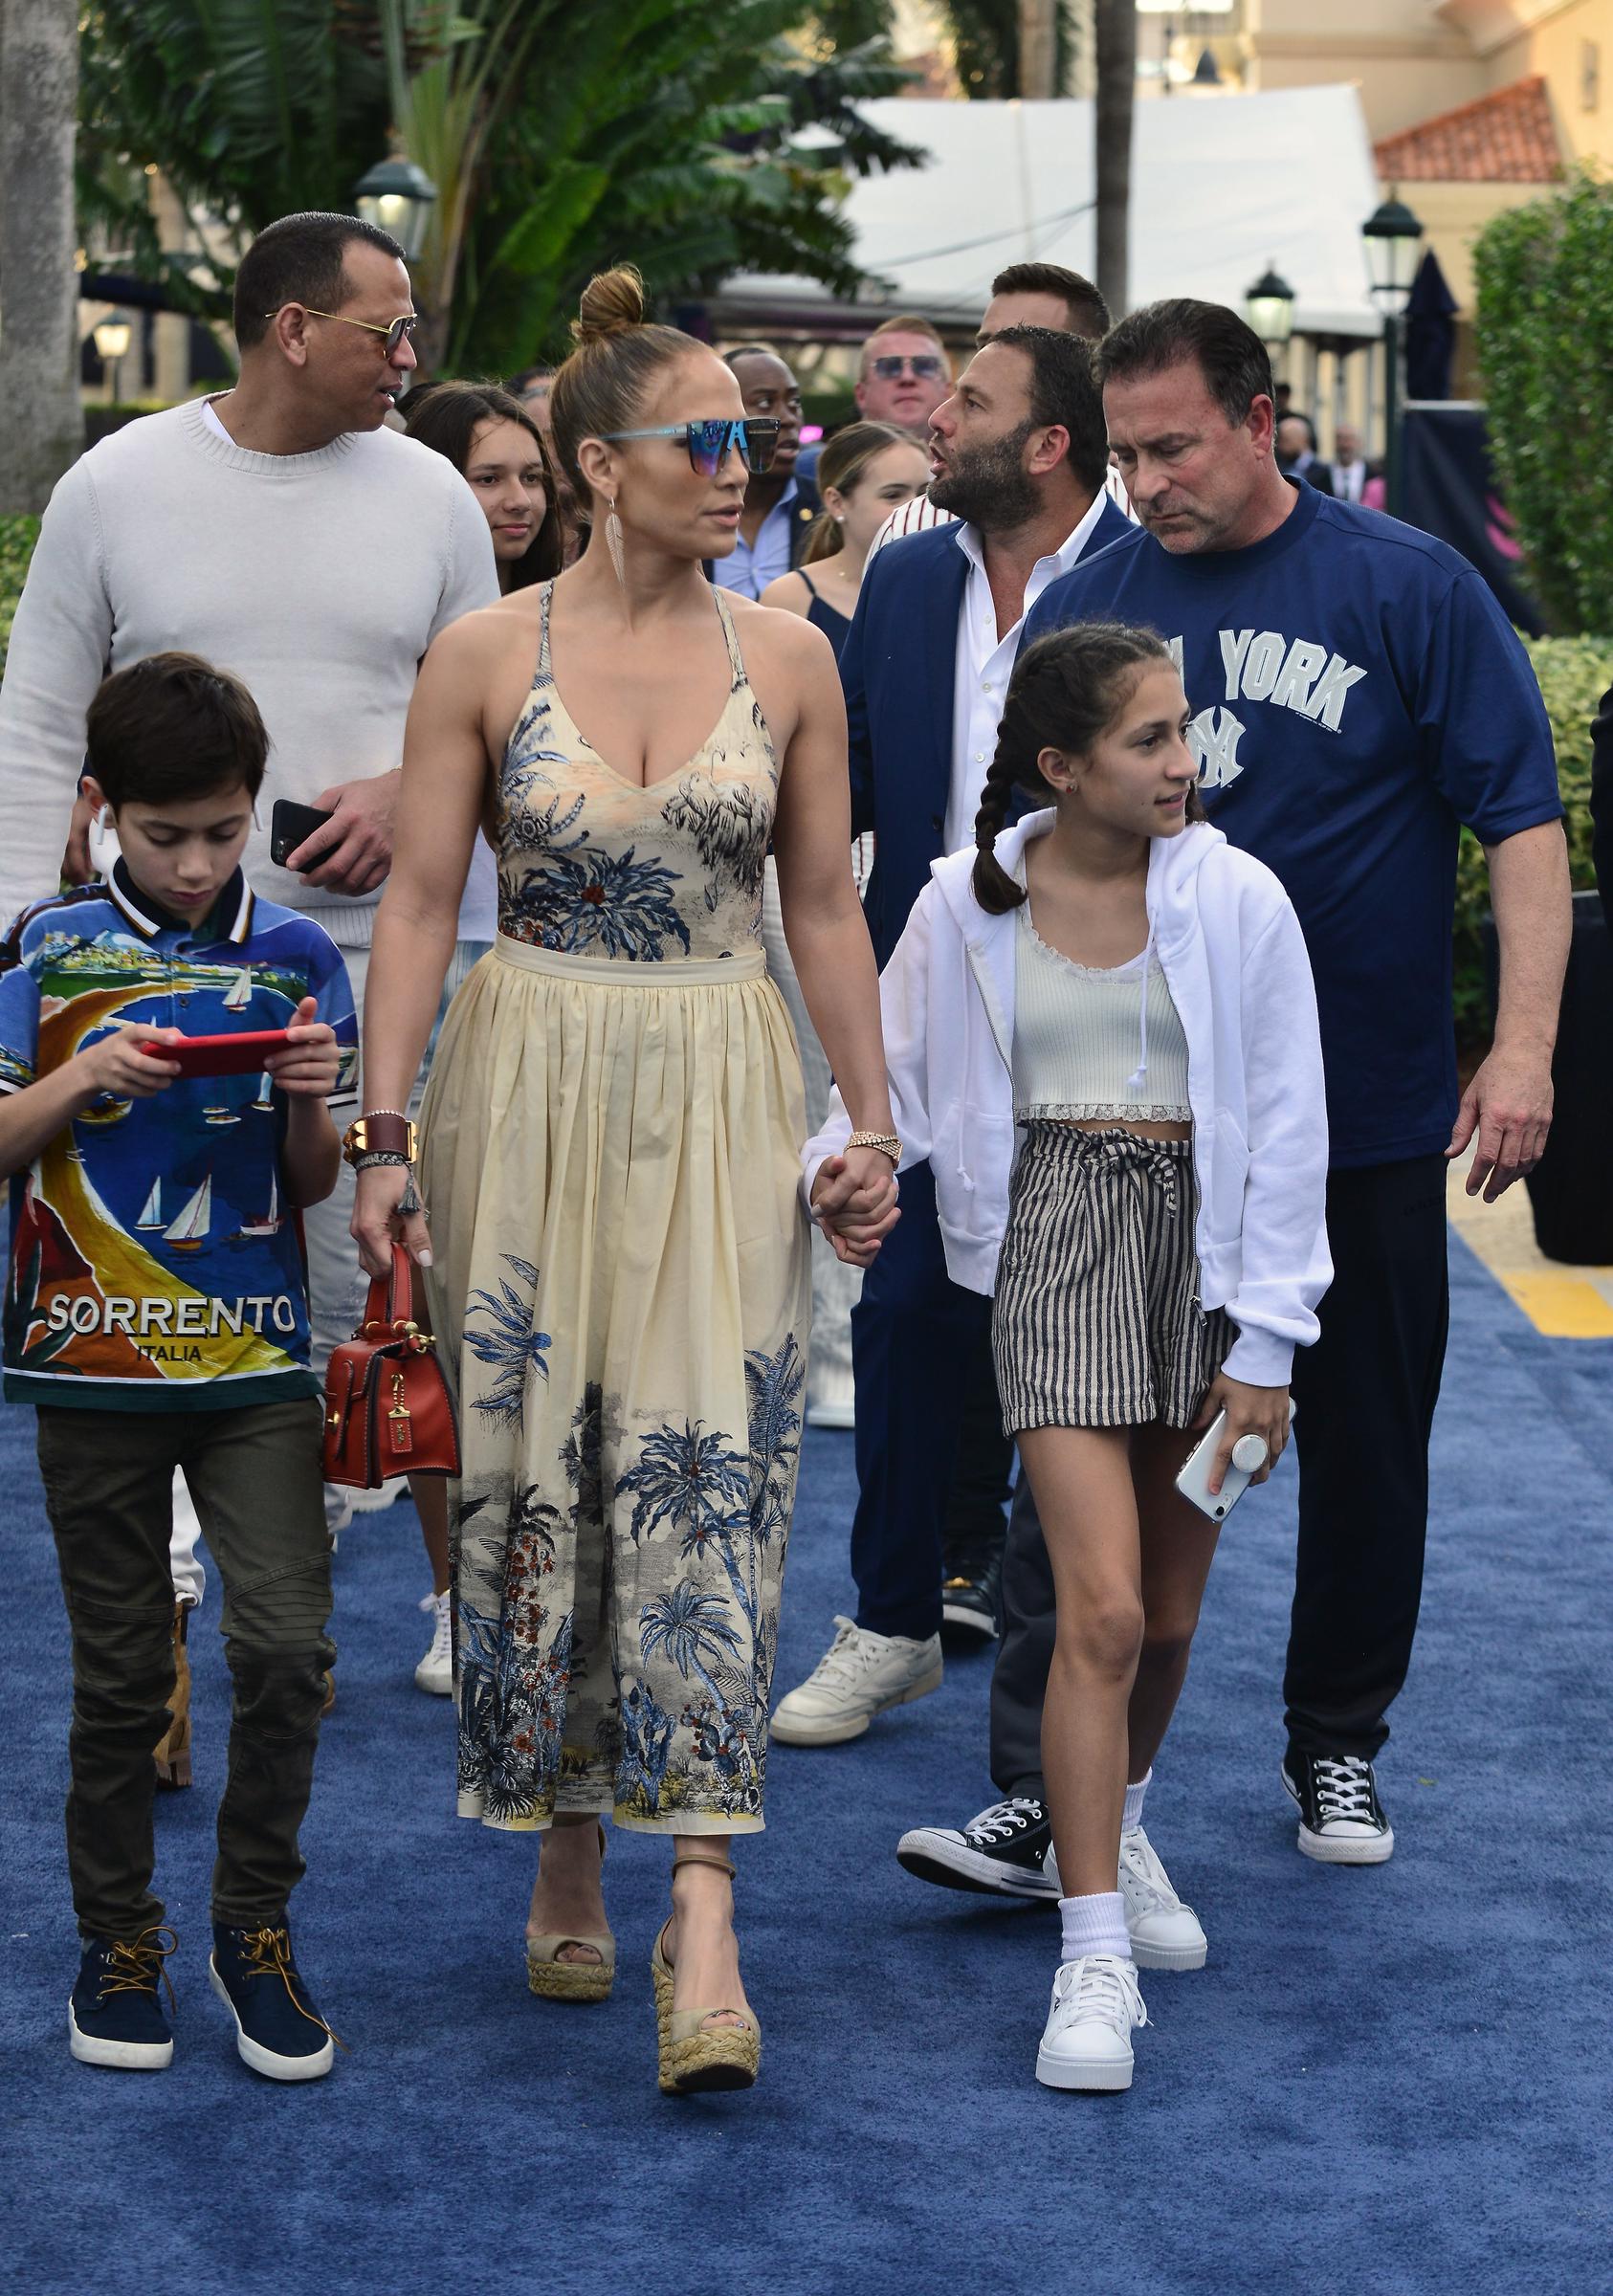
x=693, y=2053
x=558, y=1980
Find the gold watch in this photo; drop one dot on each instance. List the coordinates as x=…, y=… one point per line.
x=382, y=1130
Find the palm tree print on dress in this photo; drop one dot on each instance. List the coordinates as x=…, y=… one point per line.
x=514, y=1673
x=731, y=824
x=509, y=1343
x=694, y=1630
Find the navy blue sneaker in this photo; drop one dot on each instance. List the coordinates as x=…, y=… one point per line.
x=114, y=2012
x=278, y=2031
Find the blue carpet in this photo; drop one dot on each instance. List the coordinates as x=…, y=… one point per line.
x=1384, y=2081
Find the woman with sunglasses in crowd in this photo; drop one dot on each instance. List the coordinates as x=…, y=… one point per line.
x=618, y=1258
x=495, y=446
x=864, y=472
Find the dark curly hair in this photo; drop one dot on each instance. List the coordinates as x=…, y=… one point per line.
x=1067, y=690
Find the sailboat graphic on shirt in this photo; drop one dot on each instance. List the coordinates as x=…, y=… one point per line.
x=264, y=1104
x=270, y=1223
x=190, y=1231
x=152, y=1215
x=238, y=995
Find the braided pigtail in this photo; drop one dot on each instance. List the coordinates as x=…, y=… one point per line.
x=1068, y=689
x=993, y=887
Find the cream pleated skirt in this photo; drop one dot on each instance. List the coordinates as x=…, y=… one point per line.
x=621, y=1292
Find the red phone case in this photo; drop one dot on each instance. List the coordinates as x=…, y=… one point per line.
x=222, y=1055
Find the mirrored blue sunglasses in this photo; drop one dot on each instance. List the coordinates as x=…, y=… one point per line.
x=709, y=444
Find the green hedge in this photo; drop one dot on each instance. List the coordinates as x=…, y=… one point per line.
x=17, y=536
x=1574, y=675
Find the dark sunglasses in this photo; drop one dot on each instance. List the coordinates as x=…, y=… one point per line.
x=709, y=444
x=401, y=329
x=927, y=368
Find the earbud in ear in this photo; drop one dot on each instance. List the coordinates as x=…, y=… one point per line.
x=103, y=819
x=256, y=816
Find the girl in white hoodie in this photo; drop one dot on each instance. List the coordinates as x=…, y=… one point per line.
x=1101, y=1033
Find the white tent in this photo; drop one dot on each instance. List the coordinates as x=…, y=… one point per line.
x=1222, y=185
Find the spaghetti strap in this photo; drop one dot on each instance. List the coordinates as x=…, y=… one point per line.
x=735, y=659
x=812, y=590
x=543, y=674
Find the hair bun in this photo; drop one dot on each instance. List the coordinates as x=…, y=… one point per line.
x=612, y=301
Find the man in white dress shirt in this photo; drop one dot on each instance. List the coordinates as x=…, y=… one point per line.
x=1025, y=294
x=1018, y=455
x=1350, y=472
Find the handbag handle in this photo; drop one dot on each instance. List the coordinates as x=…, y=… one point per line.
x=392, y=1297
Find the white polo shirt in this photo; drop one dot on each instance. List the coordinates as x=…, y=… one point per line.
x=985, y=663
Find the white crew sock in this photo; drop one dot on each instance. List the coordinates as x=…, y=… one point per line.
x=1094, y=1925
x=1131, y=1817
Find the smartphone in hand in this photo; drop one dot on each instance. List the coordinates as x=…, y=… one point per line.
x=291, y=825
x=1193, y=1482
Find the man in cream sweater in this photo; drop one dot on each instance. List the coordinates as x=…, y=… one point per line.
x=285, y=533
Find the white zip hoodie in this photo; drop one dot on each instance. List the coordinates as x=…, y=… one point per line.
x=1233, y=954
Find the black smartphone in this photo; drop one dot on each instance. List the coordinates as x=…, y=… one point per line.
x=291, y=825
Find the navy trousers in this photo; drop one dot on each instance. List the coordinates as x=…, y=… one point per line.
x=921, y=1360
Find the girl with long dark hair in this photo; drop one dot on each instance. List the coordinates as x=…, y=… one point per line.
x=1101, y=1032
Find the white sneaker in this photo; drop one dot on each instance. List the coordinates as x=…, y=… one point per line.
x=1164, y=1932
x=1086, y=2042
x=861, y=1675
x=435, y=1670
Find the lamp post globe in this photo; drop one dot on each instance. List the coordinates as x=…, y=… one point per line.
x=397, y=196
x=1394, y=243
x=1269, y=306
x=112, y=338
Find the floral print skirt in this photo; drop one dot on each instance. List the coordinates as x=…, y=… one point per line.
x=621, y=1292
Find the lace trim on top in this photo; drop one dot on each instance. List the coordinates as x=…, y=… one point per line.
x=1147, y=1112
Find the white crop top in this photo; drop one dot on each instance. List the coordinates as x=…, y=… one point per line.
x=1085, y=1045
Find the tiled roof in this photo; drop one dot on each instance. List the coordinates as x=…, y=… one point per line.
x=1507, y=138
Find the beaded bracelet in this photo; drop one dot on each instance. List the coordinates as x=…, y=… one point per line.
x=380, y=1156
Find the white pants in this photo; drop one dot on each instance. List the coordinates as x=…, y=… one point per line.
x=836, y=1287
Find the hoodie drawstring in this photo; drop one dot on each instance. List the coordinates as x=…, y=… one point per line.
x=1139, y=1076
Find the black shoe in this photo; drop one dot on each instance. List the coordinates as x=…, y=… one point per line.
x=971, y=1593
x=277, y=2029
x=1342, y=1821
x=115, y=2012
x=1006, y=1851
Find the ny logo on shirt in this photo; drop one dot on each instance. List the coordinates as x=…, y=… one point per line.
x=1264, y=666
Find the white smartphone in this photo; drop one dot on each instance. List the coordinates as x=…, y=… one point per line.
x=1193, y=1482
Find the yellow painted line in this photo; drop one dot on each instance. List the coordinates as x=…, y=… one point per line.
x=1561, y=1307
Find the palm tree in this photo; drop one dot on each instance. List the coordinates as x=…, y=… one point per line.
x=44, y=426
x=695, y=1631
x=692, y=1479
x=508, y=1342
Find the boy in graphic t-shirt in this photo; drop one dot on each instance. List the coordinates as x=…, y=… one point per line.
x=156, y=1314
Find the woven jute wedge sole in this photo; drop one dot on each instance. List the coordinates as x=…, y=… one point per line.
x=553, y=1980
x=694, y=2056
x=557, y=1980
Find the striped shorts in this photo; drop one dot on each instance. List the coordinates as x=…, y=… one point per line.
x=1096, y=1321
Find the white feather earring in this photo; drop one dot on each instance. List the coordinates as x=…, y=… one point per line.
x=613, y=543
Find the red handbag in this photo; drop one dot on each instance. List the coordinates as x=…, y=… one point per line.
x=387, y=1407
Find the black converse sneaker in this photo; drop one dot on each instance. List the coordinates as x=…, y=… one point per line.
x=971, y=1592
x=1342, y=1821
x=1006, y=1851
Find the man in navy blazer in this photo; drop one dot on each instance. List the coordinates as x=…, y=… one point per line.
x=1019, y=453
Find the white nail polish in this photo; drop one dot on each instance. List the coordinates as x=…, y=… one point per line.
x=425, y=1259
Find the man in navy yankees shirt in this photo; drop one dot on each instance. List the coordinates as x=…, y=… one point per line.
x=1359, y=695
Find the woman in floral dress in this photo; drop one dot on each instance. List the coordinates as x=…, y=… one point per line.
x=611, y=1154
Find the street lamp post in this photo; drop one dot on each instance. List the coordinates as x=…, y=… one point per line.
x=397, y=196
x=1268, y=308
x=112, y=337
x=1394, y=239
